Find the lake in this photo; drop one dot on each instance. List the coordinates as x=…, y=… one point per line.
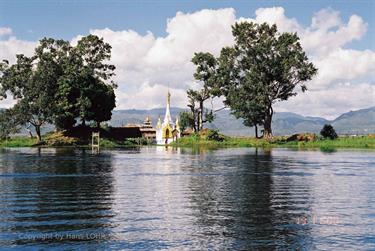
x=193, y=199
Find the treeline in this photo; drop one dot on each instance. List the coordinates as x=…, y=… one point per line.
x=60, y=84
x=263, y=67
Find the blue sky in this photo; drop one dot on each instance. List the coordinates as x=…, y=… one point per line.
x=153, y=42
x=34, y=19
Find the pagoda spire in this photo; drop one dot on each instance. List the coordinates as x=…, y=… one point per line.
x=167, y=118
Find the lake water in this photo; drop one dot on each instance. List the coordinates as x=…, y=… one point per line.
x=158, y=198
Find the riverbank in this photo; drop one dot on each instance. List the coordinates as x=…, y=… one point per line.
x=365, y=142
x=58, y=140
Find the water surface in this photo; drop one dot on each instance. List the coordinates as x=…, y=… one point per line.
x=158, y=198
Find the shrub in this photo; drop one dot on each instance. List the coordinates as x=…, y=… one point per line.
x=327, y=149
x=215, y=136
x=60, y=139
x=328, y=132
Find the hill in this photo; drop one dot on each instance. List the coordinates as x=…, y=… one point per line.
x=284, y=123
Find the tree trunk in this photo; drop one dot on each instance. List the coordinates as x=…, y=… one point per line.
x=38, y=134
x=267, y=124
x=30, y=133
x=256, y=131
x=201, y=115
x=83, y=122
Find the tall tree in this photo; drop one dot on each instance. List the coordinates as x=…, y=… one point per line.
x=103, y=101
x=86, y=90
x=33, y=82
x=60, y=83
x=187, y=120
x=9, y=123
x=94, y=73
x=263, y=67
x=206, y=73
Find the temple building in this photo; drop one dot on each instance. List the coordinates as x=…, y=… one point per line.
x=147, y=131
x=167, y=131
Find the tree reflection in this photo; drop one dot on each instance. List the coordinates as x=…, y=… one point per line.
x=55, y=192
x=248, y=206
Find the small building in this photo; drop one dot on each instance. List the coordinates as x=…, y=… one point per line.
x=147, y=131
x=127, y=132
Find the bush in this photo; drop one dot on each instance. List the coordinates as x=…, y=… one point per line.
x=328, y=132
x=60, y=139
x=215, y=136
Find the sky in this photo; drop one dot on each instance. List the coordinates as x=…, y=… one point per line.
x=153, y=43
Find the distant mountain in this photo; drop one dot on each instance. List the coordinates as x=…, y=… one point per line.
x=284, y=123
x=356, y=122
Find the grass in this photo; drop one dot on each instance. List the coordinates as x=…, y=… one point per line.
x=58, y=139
x=18, y=142
x=341, y=142
x=326, y=145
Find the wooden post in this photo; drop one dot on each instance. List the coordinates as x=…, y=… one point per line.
x=95, y=143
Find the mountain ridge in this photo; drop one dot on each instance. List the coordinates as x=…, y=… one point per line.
x=361, y=121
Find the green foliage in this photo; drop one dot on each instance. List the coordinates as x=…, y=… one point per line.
x=215, y=136
x=206, y=73
x=61, y=83
x=186, y=120
x=106, y=143
x=33, y=82
x=86, y=89
x=59, y=139
x=327, y=145
x=263, y=67
x=9, y=123
x=328, y=149
x=328, y=132
x=18, y=142
x=103, y=101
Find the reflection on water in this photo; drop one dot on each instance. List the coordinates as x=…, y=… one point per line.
x=172, y=198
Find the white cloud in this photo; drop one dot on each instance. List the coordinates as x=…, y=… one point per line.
x=276, y=15
x=12, y=46
x=323, y=37
x=331, y=102
x=147, y=64
x=151, y=94
x=326, y=19
x=344, y=64
x=5, y=31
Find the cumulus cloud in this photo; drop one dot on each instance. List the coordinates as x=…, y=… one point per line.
x=147, y=65
x=331, y=102
x=12, y=46
x=344, y=64
x=5, y=31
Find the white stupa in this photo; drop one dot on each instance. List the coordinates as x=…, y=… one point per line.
x=167, y=131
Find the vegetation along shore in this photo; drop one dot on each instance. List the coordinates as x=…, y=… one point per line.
x=208, y=139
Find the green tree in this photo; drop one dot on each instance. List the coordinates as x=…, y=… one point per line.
x=328, y=132
x=103, y=101
x=206, y=73
x=262, y=68
x=33, y=83
x=9, y=123
x=60, y=83
x=186, y=120
x=87, y=88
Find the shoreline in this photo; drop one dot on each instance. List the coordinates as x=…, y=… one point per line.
x=359, y=142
